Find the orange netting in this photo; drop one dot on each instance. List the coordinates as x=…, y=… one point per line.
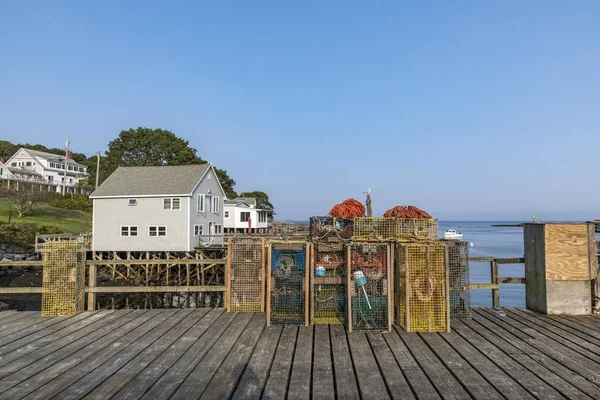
x=406, y=212
x=348, y=209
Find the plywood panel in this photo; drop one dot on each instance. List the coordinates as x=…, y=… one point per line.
x=569, y=297
x=567, y=252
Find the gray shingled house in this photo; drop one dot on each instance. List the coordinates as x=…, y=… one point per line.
x=167, y=208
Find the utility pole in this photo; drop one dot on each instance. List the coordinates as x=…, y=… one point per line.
x=66, y=159
x=97, y=170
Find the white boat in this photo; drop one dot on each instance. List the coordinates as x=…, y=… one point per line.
x=452, y=234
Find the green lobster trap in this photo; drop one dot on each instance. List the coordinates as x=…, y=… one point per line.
x=245, y=275
x=328, y=284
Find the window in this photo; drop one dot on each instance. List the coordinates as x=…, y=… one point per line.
x=157, y=230
x=200, y=203
x=129, y=230
x=50, y=178
x=225, y=214
x=28, y=163
x=216, y=204
x=198, y=230
x=132, y=202
x=244, y=216
x=262, y=216
x=13, y=164
x=1, y=171
x=218, y=229
x=209, y=202
x=172, y=203
x=52, y=165
x=70, y=168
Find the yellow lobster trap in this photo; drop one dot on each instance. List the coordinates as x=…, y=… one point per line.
x=63, y=279
x=245, y=275
x=422, y=291
x=328, y=284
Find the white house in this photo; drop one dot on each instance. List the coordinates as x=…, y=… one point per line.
x=5, y=172
x=167, y=208
x=41, y=167
x=238, y=212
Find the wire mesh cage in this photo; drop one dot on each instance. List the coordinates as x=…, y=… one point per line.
x=412, y=229
x=328, y=284
x=245, y=272
x=287, y=282
x=369, y=278
x=458, y=273
x=329, y=229
x=422, y=287
x=366, y=228
x=63, y=278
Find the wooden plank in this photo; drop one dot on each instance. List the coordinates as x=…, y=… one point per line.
x=395, y=381
x=592, y=250
x=346, y=386
x=415, y=376
x=201, y=375
x=470, y=378
x=9, y=320
x=255, y=376
x=589, y=334
x=56, y=340
x=7, y=313
x=91, y=297
x=535, y=267
x=20, y=324
x=170, y=261
x=494, y=279
x=370, y=381
x=262, y=275
x=20, y=290
x=442, y=379
x=154, y=289
x=567, y=252
x=476, y=336
x=279, y=375
x=113, y=364
x=48, y=369
x=510, y=260
x=299, y=387
x=480, y=286
x=502, y=382
x=322, y=365
x=552, y=372
x=126, y=373
x=224, y=382
x=136, y=388
x=51, y=325
x=178, y=372
x=507, y=280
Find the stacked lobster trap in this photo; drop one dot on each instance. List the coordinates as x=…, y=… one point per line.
x=245, y=275
x=330, y=229
x=328, y=284
x=287, y=283
x=369, y=281
x=459, y=279
x=422, y=287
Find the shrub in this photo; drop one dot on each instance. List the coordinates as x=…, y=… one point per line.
x=23, y=235
x=78, y=202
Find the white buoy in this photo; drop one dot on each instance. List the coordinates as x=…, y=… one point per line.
x=471, y=244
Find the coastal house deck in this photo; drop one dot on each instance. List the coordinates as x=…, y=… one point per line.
x=507, y=353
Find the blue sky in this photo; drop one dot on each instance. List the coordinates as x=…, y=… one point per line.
x=470, y=110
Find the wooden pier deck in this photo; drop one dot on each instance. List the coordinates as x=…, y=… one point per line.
x=210, y=354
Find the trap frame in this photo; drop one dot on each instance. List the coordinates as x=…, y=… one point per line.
x=245, y=275
x=459, y=276
x=415, y=229
x=287, y=283
x=63, y=279
x=330, y=229
x=369, y=304
x=370, y=229
x=422, y=287
x=328, y=292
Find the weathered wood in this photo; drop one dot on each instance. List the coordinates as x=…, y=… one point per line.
x=19, y=325
x=6, y=338
x=91, y=297
x=277, y=382
x=17, y=290
x=299, y=387
x=516, y=281
x=370, y=381
x=225, y=380
x=345, y=379
x=322, y=364
x=535, y=269
x=590, y=335
x=494, y=279
x=169, y=261
x=395, y=381
x=255, y=376
x=155, y=289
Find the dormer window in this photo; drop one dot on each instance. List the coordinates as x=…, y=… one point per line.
x=132, y=202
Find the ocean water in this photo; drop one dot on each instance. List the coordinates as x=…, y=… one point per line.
x=488, y=241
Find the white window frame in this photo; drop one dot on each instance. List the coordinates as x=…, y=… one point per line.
x=226, y=214
x=201, y=203
x=157, y=229
x=218, y=229
x=169, y=203
x=242, y=214
x=198, y=229
x=132, y=202
x=215, y=206
x=129, y=230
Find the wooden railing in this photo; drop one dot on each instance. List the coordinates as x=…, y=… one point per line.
x=496, y=280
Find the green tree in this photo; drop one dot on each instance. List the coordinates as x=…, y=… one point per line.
x=262, y=200
x=7, y=149
x=25, y=198
x=227, y=182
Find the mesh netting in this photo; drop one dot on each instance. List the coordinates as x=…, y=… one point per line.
x=458, y=275
x=366, y=228
x=328, y=284
x=409, y=229
x=330, y=229
x=288, y=283
x=63, y=281
x=422, y=300
x=246, y=275
x=368, y=291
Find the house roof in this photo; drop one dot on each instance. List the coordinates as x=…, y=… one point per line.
x=251, y=201
x=51, y=156
x=147, y=181
x=24, y=171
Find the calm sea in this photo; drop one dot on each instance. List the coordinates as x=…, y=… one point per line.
x=493, y=242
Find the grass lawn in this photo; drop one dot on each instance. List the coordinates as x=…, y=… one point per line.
x=69, y=221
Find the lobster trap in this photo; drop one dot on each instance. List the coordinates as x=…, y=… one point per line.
x=369, y=278
x=422, y=287
x=328, y=286
x=330, y=229
x=287, y=283
x=458, y=274
x=366, y=228
x=245, y=275
x=415, y=229
x=63, y=279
